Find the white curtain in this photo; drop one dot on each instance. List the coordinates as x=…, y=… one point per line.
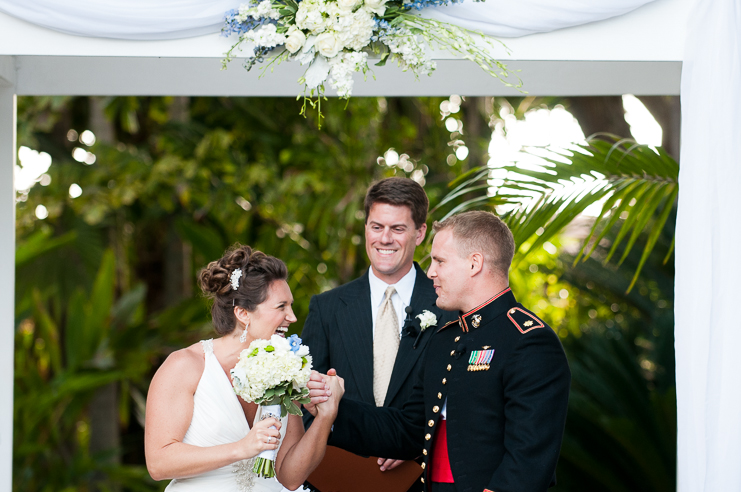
x=171, y=19
x=708, y=332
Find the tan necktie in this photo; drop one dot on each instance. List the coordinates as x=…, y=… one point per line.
x=385, y=347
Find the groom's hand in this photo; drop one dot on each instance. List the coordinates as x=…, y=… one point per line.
x=388, y=464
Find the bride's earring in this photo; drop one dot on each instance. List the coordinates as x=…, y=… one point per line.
x=243, y=336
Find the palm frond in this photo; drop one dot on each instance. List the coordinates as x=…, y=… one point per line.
x=636, y=185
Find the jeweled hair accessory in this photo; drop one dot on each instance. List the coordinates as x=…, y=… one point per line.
x=235, y=276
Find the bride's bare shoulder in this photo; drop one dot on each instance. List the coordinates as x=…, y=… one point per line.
x=184, y=364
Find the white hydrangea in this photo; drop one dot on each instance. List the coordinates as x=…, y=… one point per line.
x=266, y=35
x=263, y=9
x=311, y=16
x=268, y=363
x=354, y=29
x=341, y=68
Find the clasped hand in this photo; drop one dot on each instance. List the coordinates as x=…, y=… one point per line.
x=325, y=391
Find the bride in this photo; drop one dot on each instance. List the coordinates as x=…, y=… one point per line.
x=197, y=429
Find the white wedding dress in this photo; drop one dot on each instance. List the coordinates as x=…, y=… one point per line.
x=218, y=418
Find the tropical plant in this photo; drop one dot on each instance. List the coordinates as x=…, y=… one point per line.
x=621, y=427
x=633, y=182
x=64, y=356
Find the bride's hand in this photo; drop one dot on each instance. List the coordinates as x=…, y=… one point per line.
x=261, y=438
x=337, y=390
x=318, y=390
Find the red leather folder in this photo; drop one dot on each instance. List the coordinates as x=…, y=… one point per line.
x=342, y=471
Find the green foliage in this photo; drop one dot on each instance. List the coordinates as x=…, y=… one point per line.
x=634, y=181
x=61, y=361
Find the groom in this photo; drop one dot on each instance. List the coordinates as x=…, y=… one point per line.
x=488, y=410
x=368, y=329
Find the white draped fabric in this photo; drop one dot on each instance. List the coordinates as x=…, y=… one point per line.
x=707, y=330
x=171, y=19
x=509, y=19
x=129, y=19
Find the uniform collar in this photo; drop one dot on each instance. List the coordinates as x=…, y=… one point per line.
x=487, y=311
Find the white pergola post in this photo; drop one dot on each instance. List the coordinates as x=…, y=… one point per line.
x=7, y=266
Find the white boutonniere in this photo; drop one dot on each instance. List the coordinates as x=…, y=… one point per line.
x=427, y=319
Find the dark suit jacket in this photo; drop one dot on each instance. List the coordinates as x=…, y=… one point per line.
x=504, y=375
x=339, y=334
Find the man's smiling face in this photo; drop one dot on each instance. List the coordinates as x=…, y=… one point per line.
x=390, y=239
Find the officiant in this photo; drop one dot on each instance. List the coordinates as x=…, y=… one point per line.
x=370, y=329
x=488, y=409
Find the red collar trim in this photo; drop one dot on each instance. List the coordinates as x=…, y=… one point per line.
x=464, y=325
x=487, y=302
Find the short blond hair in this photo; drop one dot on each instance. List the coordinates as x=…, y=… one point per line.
x=481, y=232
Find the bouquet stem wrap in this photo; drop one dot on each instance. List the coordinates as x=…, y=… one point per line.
x=265, y=461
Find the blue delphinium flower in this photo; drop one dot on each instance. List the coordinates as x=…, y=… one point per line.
x=233, y=26
x=423, y=4
x=295, y=343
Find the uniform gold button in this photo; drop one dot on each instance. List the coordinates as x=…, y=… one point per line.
x=435, y=409
x=445, y=380
x=424, y=452
x=449, y=367
x=439, y=396
x=423, y=480
x=512, y=311
x=431, y=423
x=452, y=352
x=427, y=437
x=423, y=465
x=457, y=338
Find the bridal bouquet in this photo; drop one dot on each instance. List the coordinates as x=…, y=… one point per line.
x=273, y=373
x=334, y=39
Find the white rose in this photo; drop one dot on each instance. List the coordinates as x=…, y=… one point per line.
x=295, y=40
x=377, y=6
x=327, y=44
x=427, y=319
x=348, y=4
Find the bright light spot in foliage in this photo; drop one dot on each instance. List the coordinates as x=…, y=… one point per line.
x=87, y=137
x=79, y=154
x=75, y=190
x=41, y=212
x=33, y=165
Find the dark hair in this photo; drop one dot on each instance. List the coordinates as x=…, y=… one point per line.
x=258, y=272
x=399, y=191
x=483, y=232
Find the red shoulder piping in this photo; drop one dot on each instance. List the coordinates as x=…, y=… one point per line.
x=509, y=315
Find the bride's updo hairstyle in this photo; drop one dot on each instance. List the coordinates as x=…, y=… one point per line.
x=258, y=272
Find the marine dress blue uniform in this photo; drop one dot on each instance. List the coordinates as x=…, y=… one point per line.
x=502, y=375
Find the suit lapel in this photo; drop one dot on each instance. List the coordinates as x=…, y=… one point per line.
x=355, y=323
x=423, y=298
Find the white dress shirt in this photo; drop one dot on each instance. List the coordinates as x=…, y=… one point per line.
x=401, y=299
